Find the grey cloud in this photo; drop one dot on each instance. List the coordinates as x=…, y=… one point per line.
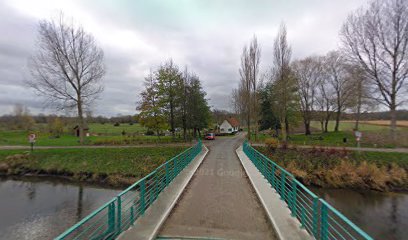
x=208, y=36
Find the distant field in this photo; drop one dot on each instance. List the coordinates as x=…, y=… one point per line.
x=101, y=134
x=109, y=129
x=349, y=126
x=401, y=123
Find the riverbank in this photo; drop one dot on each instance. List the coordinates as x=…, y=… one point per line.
x=335, y=168
x=108, y=166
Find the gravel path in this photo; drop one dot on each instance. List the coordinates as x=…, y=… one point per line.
x=219, y=202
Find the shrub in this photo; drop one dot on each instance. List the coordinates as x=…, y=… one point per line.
x=149, y=133
x=116, y=124
x=272, y=143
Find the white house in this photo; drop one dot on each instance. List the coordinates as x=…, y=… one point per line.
x=229, y=125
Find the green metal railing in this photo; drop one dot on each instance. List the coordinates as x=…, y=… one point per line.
x=117, y=215
x=318, y=217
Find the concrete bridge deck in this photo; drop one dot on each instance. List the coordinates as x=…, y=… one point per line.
x=219, y=202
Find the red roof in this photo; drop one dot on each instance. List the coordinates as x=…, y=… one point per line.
x=234, y=122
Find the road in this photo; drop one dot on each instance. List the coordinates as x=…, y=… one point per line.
x=219, y=202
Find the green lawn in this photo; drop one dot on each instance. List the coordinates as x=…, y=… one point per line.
x=101, y=134
x=135, y=162
x=109, y=129
x=17, y=137
x=349, y=126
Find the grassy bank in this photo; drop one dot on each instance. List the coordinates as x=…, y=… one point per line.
x=344, y=169
x=114, y=166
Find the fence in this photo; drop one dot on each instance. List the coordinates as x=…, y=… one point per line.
x=318, y=217
x=121, y=212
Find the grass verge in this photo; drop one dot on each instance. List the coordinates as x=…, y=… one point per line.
x=344, y=169
x=114, y=166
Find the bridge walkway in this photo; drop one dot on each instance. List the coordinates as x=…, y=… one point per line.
x=219, y=202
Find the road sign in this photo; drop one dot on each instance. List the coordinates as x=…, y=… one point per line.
x=358, y=135
x=32, y=137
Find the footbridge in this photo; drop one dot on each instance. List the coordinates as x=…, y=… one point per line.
x=224, y=189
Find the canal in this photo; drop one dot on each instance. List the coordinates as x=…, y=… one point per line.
x=381, y=215
x=42, y=208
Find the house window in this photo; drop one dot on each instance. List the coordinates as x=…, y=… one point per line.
x=222, y=129
x=229, y=129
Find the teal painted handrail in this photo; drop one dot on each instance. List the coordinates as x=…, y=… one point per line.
x=120, y=213
x=319, y=218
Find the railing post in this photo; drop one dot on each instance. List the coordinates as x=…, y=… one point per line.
x=302, y=218
x=294, y=197
x=132, y=214
x=142, y=197
x=315, y=216
x=175, y=167
x=167, y=171
x=273, y=175
x=282, y=186
x=119, y=215
x=111, y=217
x=324, y=225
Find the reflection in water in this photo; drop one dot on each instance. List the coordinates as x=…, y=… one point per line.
x=79, y=204
x=381, y=215
x=38, y=208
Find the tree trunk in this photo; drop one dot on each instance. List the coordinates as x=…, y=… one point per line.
x=80, y=121
x=322, y=125
x=283, y=130
x=356, y=126
x=307, y=127
x=173, y=132
x=249, y=126
x=184, y=129
x=336, y=127
x=393, y=123
x=326, y=123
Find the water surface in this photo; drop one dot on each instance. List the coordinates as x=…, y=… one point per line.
x=381, y=215
x=42, y=208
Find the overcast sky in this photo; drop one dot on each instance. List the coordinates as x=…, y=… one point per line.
x=205, y=35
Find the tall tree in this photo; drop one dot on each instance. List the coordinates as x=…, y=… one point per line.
x=376, y=37
x=268, y=120
x=325, y=104
x=254, y=61
x=170, y=87
x=336, y=74
x=308, y=77
x=245, y=98
x=198, y=111
x=151, y=111
x=67, y=67
x=284, y=85
x=360, y=98
x=244, y=89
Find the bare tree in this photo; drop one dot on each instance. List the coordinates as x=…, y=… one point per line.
x=67, y=67
x=283, y=81
x=245, y=99
x=254, y=59
x=336, y=74
x=244, y=89
x=360, y=98
x=308, y=75
x=376, y=38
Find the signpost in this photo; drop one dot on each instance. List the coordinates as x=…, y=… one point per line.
x=358, y=136
x=31, y=140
